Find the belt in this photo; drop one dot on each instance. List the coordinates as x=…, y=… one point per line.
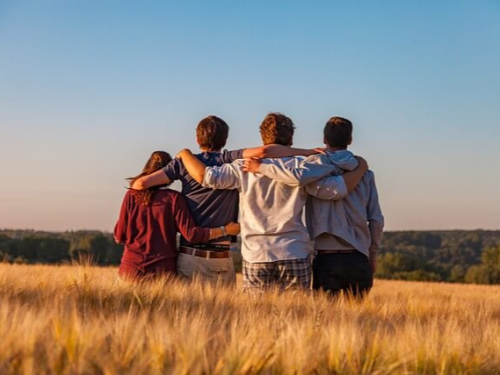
x=205, y=254
x=336, y=251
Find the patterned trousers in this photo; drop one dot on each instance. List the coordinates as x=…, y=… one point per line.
x=281, y=274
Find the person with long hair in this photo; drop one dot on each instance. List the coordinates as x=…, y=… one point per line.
x=148, y=224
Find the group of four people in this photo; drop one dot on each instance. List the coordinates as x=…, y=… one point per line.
x=268, y=187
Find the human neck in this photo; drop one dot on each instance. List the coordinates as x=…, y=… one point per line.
x=330, y=148
x=207, y=150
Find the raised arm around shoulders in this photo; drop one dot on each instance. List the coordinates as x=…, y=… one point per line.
x=328, y=188
x=337, y=187
x=154, y=179
x=276, y=151
x=227, y=176
x=293, y=176
x=193, y=165
x=353, y=178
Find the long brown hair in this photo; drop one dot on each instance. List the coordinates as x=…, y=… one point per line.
x=156, y=161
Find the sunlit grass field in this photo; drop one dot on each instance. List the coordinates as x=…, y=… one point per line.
x=81, y=320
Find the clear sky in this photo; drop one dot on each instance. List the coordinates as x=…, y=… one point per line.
x=88, y=89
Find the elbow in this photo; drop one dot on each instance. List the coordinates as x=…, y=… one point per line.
x=139, y=185
x=199, y=179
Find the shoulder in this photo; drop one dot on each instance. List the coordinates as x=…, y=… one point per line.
x=169, y=193
x=230, y=156
x=173, y=169
x=369, y=177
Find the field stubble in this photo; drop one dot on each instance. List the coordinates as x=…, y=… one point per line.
x=81, y=320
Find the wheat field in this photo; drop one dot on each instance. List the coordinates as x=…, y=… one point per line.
x=82, y=320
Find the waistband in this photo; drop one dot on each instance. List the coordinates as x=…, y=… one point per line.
x=210, y=246
x=319, y=252
x=207, y=254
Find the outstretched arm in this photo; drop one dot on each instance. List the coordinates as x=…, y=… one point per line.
x=154, y=179
x=296, y=176
x=278, y=151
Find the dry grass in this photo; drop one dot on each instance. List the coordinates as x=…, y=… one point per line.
x=80, y=320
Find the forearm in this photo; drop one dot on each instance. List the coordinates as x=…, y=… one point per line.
x=280, y=151
x=299, y=176
x=223, y=177
x=376, y=230
x=353, y=178
x=154, y=179
x=328, y=188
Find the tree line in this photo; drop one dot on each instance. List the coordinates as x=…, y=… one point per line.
x=451, y=256
x=28, y=246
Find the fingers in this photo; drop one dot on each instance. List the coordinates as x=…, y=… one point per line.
x=251, y=165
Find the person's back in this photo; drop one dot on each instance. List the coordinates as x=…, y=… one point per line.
x=210, y=208
x=347, y=233
x=347, y=218
x=269, y=210
x=148, y=225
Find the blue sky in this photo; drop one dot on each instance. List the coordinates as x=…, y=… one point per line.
x=89, y=88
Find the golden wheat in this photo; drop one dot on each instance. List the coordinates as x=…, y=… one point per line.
x=82, y=320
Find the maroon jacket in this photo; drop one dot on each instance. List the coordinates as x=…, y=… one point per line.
x=149, y=232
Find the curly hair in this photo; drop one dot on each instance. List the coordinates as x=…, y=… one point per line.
x=277, y=128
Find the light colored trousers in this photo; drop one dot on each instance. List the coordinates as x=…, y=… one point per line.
x=217, y=271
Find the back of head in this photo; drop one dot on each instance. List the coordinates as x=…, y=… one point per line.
x=277, y=128
x=156, y=161
x=338, y=132
x=212, y=133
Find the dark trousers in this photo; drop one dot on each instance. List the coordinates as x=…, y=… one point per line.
x=343, y=272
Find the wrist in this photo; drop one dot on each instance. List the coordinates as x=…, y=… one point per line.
x=224, y=232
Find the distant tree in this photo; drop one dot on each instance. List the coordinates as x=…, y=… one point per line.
x=488, y=272
x=99, y=245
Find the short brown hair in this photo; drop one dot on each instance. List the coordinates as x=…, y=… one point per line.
x=212, y=133
x=338, y=132
x=277, y=128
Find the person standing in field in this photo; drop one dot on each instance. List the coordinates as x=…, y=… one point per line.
x=148, y=223
x=347, y=233
x=210, y=260
x=275, y=245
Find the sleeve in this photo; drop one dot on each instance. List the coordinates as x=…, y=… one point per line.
x=230, y=156
x=298, y=176
x=185, y=223
x=226, y=176
x=120, y=232
x=328, y=188
x=173, y=170
x=375, y=218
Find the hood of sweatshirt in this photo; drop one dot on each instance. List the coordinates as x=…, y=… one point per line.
x=344, y=159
